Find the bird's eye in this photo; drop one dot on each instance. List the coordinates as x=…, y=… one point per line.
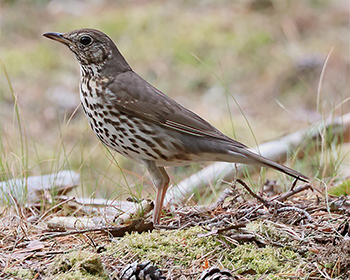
x=85, y=40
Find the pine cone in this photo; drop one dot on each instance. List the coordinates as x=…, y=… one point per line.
x=141, y=271
x=214, y=273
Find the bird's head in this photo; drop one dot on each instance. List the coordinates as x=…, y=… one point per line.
x=91, y=47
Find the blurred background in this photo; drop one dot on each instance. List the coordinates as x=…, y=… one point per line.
x=265, y=56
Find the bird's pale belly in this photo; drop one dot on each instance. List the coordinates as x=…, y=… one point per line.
x=133, y=138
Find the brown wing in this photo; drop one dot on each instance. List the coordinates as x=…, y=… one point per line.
x=132, y=95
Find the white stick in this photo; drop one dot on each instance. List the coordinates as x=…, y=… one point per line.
x=27, y=190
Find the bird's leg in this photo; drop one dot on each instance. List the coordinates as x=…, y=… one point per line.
x=161, y=180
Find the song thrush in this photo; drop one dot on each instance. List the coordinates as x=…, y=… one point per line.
x=137, y=120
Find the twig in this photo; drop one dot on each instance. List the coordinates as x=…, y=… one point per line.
x=247, y=237
x=294, y=183
x=137, y=225
x=54, y=207
x=72, y=232
x=221, y=199
x=321, y=272
x=291, y=192
x=250, y=212
x=296, y=209
x=12, y=264
x=221, y=230
x=263, y=201
x=233, y=226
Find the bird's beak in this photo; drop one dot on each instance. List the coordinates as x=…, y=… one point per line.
x=59, y=37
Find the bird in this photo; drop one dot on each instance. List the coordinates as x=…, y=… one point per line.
x=140, y=122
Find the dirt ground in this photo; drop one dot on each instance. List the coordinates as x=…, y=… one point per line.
x=300, y=234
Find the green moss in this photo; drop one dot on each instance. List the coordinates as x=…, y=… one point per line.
x=270, y=232
x=341, y=189
x=21, y=273
x=265, y=260
x=180, y=246
x=78, y=265
x=186, y=249
x=183, y=249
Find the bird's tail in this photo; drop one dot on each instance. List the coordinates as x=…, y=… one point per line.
x=249, y=157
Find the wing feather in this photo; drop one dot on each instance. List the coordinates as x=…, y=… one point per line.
x=131, y=94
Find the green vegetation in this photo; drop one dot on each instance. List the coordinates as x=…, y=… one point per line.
x=181, y=250
x=196, y=54
x=78, y=265
x=342, y=189
x=185, y=249
x=207, y=56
